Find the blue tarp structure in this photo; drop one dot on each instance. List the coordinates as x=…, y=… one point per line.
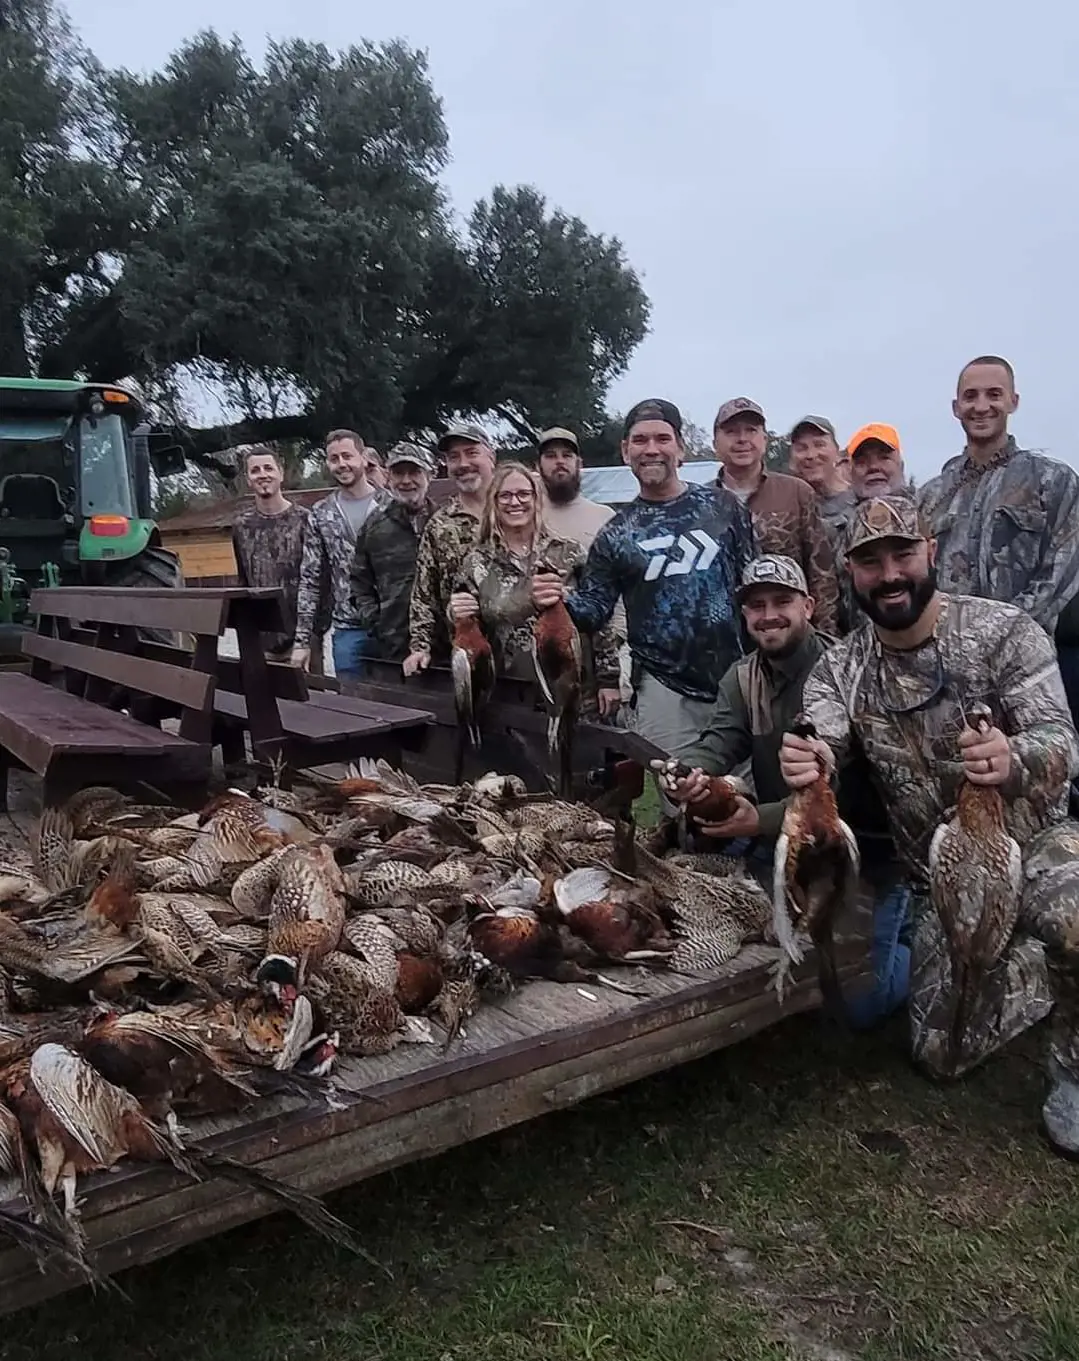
x=617, y=486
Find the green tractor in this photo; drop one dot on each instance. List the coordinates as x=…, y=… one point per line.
x=75, y=462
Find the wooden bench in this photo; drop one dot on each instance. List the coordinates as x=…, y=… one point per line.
x=271, y=702
x=94, y=727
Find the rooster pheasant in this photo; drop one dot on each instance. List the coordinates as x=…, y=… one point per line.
x=556, y=653
x=975, y=884
x=815, y=873
x=473, y=666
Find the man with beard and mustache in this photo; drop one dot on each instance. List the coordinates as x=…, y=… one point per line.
x=450, y=534
x=569, y=515
x=385, y=563
x=759, y=698
x=328, y=549
x=898, y=689
x=1006, y=519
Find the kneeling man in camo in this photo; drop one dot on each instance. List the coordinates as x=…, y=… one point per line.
x=959, y=707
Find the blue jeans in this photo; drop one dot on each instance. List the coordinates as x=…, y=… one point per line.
x=891, y=961
x=350, y=646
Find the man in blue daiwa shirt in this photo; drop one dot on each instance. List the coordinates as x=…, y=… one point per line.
x=676, y=556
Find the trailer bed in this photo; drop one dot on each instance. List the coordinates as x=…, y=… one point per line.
x=547, y=1047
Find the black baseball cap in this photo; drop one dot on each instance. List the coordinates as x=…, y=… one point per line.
x=653, y=409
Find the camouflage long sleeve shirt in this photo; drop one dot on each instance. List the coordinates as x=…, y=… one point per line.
x=787, y=521
x=383, y=569
x=982, y=650
x=502, y=583
x=450, y=533
x=326, y=570
x=268, y=550
x=1008, y=531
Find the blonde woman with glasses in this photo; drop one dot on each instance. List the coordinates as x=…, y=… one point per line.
x=495, y=583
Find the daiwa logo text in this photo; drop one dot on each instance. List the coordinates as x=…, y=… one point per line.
x=692, y=552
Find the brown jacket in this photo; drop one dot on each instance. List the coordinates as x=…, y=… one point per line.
x=787, y=520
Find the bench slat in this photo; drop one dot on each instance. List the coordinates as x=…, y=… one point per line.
x=38, y=722
x=190, y=689
x=190, y=610
x=311, y=722
x=288, y=682
x=393, y=715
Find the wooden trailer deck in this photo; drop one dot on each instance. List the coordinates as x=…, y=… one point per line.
x=547, y=1047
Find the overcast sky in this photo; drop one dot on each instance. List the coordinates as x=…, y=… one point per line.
x=832, y=205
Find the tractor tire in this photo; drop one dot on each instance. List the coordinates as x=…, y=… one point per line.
x=158, y=567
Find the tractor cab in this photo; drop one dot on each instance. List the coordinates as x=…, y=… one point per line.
x=75, y=490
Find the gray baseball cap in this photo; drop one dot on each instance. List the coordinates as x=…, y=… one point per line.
x=819, y=423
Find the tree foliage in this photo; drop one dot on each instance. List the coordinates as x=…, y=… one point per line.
x=279, y=235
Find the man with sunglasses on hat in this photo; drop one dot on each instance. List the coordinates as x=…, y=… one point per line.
x=898, y=689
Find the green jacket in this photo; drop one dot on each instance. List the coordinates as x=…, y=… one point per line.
x=383, y=570
x=759, y=698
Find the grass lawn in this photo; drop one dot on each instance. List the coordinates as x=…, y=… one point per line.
x=802, y=1196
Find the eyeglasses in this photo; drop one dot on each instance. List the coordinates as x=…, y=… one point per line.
x=942, y=681
x=507, y=498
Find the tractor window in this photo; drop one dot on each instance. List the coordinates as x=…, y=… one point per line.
x=106, y=481
x=35, y=447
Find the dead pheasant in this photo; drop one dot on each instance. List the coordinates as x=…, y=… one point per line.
x=79, y=1122
x=721, y=800
x=975, y=883
x=473, y=667
x=556, y=652
x=815, y=873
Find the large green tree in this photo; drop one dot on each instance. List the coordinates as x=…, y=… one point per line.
x=278, y=235
x=64, y=211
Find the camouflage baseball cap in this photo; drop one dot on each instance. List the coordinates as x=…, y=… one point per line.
x=885, y=517
x=819, y=423
x=771, y=569
x=410, y=453
x=473, y=433
x=738, y=406
x=557, y=432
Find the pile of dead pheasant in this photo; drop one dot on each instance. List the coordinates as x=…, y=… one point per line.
x=156, y=966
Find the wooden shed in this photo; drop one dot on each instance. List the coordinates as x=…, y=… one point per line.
x=202, y=536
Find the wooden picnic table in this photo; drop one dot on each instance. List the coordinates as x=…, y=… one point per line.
x=92, y=706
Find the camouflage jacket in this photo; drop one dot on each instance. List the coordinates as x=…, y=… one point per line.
x=383, y=569
x=450, y=533
x=787, y=521
x=502, y=584
x=268, y=550
x=1008, y=531
x=834, y=513
x=982, y=650
x=326, y=570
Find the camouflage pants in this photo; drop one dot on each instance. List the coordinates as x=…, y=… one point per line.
x=1038, y=972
